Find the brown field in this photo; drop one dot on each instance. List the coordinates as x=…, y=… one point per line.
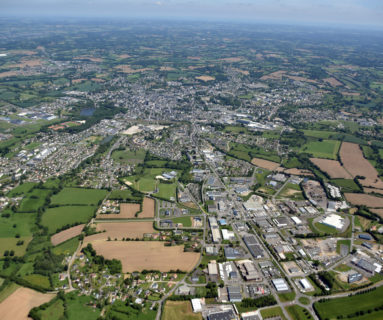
x=140, y=255
x=333, y=82
x=97, y=80
x=25, y=52
x=302, y=79
x=356, y=164
x=244, y=72
x=298, y=172
x=233, y=59
x=332, y=167
x=379, y=212
x=266, y=164
x=8, y=74
x=372, y=190
x=194, y=58
x=364, y=199
x=147, y=208
x=167, y=69
x=277, y=75
x=205, y=78
x=19, y=303
x=125, y=68
x=67, y=234
x=121, y=230
x=127, y=211
x=78, y=80
x=180, y=310
x=26, y=63
x=354, y=94
x=124, y=56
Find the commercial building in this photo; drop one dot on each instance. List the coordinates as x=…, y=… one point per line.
x=280, y=284
x=334, y=221
x=253, y=246
x=354, y=277
x=234, y=293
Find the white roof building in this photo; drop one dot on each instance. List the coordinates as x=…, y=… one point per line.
x=227, y=234
x=196, y=304
x=280, y=284
x=334, y=220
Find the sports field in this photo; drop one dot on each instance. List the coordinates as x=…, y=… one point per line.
x=149, y=255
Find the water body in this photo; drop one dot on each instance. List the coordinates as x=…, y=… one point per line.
x=88, y=112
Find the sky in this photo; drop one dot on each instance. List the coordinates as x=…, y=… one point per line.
x=334, y=12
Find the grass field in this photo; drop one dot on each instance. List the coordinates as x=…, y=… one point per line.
x=21, y=189
x=166, y=191
x=304, y=300
x=120, y=311
x=322, y=149
x=342, y=242
x=58, y=217
x=186, y=221
x=299, y=313
x=289, y=296
x=292, y=191
x=75, y=196
x=318, y=134
x=333, y=308
x=78, y=308
x=67, y=247
x=272, y=312
x=175, y=310
x=347, y=185
x=38, y=280
x=34, y=200
x=54, y=312
x=325, y=229
x=124, y=195
x=128, y=156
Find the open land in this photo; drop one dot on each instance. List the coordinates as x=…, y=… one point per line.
x=265, y=164
x=175, y=310
x=361, y=199
x=332, y=167
x=19, y=303
x=147, y=255
x=66, y=234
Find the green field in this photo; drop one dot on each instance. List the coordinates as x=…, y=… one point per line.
x=38, y=280
x=56, y=218
x=34, y=200
x=304, y=300
x=78, y=196
x=324, y=228
x=8, y=290
x=124, y=195
x=186, y=221
x=121, y=311
x=54, y=312
x=289, y=296
x=347, y=185
x=78, y=307
x=299, y=313
x=322, y=149
x=318, y=134
x=272, y=312
x=346, y=306
x=21, y=189
x=344, y=242
x=129, y=157
x=292, y=191
x=166, y=191
x=67, y=247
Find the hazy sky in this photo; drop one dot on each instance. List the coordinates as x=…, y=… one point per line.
x=368, y=12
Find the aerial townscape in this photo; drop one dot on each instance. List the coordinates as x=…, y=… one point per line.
x=190, y=170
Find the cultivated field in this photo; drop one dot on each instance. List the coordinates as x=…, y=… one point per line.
x=205, y=78
x=121, y=230
x=364, y=199
x=127, y=211
x=265, y=164
x=19, y=303
x=355, y=163
x=379, y=212
x=175, y=310
x=372, y=190
x=66, y=234
x=332, y=167
x=149, y=255
x=147, y=208
x=298, y=172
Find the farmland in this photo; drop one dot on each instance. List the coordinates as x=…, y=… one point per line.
x=148, y=255
x=265, y=164
x=18, y=304
x=365, y=200
x=67, y=247
x=73, y=196
x=121, y=230
x=66, y=234
x=128, y=156
x=355, y=163
x=327, y=149
x=175, y=310
x=333, y=168
x=59, y=217
x=127, y=211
